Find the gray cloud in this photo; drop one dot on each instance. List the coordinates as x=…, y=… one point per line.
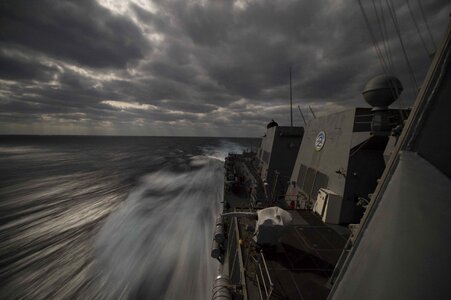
x=194, y=67
x=80, y=31
x=12, y=68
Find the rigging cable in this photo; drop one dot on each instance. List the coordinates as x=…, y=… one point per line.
x=398, y=32
x=374, y=40
x=417, y=28
x=384, y=39
x=386, y=35
x=427, y=24
x=394, y=89
x=393, y=15
x=395, y=92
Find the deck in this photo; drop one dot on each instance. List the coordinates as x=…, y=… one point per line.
x=301, y=264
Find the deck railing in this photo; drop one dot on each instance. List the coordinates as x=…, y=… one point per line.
x=262, y=277
x=236, y=269
x=341, y=260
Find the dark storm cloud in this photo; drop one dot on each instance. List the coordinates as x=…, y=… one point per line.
x=265, y=39
x=12, y=68
x=80, y=31
x=171, y=71
x=207, y=25
x=193, y=66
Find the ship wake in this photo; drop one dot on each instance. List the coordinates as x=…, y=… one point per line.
x=156, y=245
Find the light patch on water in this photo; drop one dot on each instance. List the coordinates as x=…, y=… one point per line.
x=18, y=149
x=46, y=225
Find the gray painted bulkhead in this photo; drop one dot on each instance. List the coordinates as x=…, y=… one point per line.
x=349, y=163
x=278, y=151
x=315, y=169
x=402, y=247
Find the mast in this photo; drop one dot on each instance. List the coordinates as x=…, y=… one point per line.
x=313, y=114
x=302, y=115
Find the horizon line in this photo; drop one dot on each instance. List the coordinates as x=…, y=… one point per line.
x=111, y=135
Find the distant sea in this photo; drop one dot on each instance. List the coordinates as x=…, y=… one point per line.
x=96, y=217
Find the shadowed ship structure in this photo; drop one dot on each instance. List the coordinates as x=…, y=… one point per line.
x=278, y=142
x=353, y=206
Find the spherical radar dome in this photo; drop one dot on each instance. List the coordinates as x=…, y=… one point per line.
x=382, y=90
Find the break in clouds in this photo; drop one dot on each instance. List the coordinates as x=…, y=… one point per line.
x=214, y=68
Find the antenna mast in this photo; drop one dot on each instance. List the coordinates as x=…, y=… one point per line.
x=302, y=115
x=313, y=114
x=291, y=102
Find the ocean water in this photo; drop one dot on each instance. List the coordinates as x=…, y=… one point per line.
x=109, y=217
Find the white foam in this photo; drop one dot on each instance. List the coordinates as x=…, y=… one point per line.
x=157, y=244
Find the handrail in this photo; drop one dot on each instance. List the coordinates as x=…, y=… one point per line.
x=271, y=285
x=262, y=277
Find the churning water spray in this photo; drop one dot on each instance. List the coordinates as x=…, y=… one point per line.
x=157, y=245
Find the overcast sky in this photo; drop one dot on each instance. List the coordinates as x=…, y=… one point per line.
x=207, y=68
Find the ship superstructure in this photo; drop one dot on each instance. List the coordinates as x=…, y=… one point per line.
x=342, y=156
x=364, y=161
x=402, y=246
x=276, y=156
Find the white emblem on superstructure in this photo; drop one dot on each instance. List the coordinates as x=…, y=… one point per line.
x=320, y=140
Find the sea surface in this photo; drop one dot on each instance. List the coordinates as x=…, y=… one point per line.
x=85, y=217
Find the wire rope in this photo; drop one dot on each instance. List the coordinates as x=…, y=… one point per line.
x=398, y=32
x=417, y=28
x=374, y=39
x=384, y=40
x=427, y=24
x=387, y=36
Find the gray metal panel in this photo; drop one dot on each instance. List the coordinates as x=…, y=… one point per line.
x=266, y=149
x=405, y=252
x=332, y=157
x=321, y=180
x=359, y=137
x=268, y=139
x=433, y=141
x=301, y=175
x=365, y=167
x=309, y=180
x=265, y=156
x=402, y=246
x=285, y=146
